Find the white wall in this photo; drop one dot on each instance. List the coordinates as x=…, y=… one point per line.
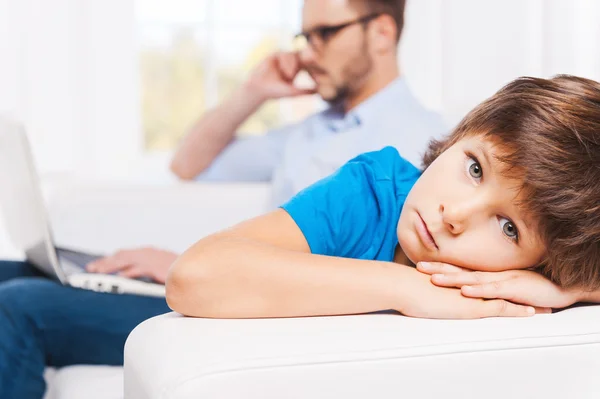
x=68, y=67
x=456, y=53
x=68, y=71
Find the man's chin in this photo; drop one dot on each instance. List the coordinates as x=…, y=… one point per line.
x=327, y=94
x=330, y=94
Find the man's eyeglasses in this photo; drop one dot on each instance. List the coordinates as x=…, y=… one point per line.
x=318, y=37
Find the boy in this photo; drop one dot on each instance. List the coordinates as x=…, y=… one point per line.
x=514, y=187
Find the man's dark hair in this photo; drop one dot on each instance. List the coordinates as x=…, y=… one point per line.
x=393, y=8
x=550, y=131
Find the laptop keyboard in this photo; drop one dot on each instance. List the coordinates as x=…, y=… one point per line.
x=76, y=262
x=78, y=258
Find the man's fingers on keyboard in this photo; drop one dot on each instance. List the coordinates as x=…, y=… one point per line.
x=106, y=265
x=132, y=272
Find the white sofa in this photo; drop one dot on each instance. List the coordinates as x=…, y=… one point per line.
x=379, y=356
x=103, y=217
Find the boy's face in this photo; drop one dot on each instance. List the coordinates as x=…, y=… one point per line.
x=463, y=211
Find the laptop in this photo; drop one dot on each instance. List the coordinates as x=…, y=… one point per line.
x=28, y=226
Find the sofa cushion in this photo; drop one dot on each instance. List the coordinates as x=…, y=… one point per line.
x=89, y=382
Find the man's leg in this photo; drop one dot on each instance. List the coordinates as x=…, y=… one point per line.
x=14, y=269
x=43, y=323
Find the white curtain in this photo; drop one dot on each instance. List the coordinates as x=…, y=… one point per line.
x=68, y=68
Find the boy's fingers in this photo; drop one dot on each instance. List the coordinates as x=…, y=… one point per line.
x=502, y=308
x=464, y=278
x=499, y=290
x=452, y=279
x=437, y=267
x=494, y=289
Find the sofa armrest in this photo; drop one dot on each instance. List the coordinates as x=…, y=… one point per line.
x=376, y=356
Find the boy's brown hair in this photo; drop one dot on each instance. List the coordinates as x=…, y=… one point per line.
x=550, y=131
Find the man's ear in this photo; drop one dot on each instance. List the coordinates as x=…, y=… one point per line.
x=384, y=33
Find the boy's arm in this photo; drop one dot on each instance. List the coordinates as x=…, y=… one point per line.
x=264, y=268
x=593, y=296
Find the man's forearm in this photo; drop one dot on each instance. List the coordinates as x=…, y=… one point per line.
x=213, y=132
x=237, y=278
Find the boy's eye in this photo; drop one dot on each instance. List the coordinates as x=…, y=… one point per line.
x=509, y=229
x=474, y=168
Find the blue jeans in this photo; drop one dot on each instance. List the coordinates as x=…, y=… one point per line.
x=43, y=323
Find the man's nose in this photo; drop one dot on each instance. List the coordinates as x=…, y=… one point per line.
x=457, y=214
x=307, y=54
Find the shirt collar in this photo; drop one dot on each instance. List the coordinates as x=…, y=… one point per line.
x=366, y=112
x=335, y=118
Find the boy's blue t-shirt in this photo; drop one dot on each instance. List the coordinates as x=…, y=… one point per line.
x=354, y=212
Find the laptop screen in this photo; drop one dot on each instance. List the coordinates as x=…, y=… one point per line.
x=21, y=200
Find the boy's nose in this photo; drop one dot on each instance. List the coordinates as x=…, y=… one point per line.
x=457, y=215
x=452, y=221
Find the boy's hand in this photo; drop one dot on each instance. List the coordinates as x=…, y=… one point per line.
x=423, y=299
x=520, y=286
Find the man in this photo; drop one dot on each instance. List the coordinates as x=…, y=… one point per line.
x=352, y=56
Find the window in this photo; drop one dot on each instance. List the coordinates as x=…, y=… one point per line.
x=193, y=53
x=106, y=88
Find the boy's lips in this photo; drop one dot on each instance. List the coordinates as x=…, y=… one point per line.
x=424, y=233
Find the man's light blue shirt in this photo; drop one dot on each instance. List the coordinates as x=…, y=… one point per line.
x=296, y=156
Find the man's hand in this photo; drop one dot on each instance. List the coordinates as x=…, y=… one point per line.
x=519, y=286
x=423, y=299
x=133, y=263
x=274, y=77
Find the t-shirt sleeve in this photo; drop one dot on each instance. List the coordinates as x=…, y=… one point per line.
x=345, y=213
